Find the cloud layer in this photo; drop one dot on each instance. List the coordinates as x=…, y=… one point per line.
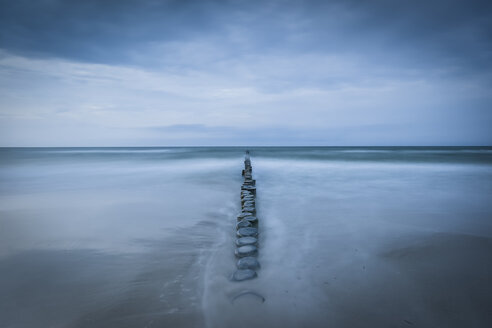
x=213, y=72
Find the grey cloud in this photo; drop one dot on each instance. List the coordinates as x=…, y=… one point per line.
x=97, y=31
x=354, y=135
x=374, y=72
x=415, y=33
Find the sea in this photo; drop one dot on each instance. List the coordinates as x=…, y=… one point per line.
x=144, y=237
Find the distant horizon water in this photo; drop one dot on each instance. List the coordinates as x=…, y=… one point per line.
x=267, y=146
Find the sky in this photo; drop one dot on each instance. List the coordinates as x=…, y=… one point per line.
x=224, y=73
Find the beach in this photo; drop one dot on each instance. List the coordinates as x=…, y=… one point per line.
x=144, y=237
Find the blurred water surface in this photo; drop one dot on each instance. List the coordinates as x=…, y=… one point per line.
x=143, y=237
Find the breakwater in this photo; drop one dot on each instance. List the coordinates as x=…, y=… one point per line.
x=247, y=227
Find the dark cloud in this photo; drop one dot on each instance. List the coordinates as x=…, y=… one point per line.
x=416, y=33
x=97, y=31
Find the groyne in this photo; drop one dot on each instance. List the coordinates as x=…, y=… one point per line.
x=247, y=228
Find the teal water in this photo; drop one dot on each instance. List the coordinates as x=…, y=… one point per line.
x=143, y=237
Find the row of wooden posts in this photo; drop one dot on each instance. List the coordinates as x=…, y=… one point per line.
x=247, y=227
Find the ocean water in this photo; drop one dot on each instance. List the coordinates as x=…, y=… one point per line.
x=144, y=237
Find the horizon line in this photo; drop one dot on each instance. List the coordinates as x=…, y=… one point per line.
x=263, y=146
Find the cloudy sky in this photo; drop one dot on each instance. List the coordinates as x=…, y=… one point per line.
x=150, y=73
